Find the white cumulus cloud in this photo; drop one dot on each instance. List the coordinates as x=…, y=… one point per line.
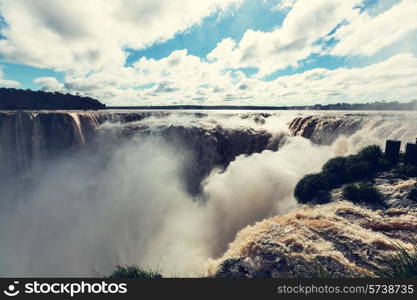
x=87, y=40
x=49, y=84
x=80, y=36
x=305, y=24
x=366, y=35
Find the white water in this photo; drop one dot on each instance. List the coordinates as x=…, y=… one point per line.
x=88, y=212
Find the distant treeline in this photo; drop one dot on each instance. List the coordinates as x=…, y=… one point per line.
x=339, y=106
x=395, y=105
x=11, y=99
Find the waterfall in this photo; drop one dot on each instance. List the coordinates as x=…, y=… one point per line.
x=178, y=185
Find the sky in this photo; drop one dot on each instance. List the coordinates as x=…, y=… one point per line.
x=212, y=52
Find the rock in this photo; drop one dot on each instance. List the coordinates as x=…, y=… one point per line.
x=324, y=129
x=337, y=239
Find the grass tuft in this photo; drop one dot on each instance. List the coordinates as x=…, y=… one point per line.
x=401, y=264
x=133, y=271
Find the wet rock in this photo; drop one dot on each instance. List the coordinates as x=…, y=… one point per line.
x=324, y=129
x=338, y=239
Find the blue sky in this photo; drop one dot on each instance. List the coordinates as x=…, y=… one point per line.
x=202, y=39
x=25, y=74
x=260, y=52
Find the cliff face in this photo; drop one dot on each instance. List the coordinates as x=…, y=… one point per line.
x=324, y=129
x=26, y=138
x=338, y=239
x=29, y=138
x=215, y=147
x=206, y=146
x=342, y=238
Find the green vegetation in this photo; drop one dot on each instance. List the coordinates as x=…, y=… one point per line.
x=403, y=264
x=26, y=99
x=362, y=193
x=405, y=171
x=225, y=266
x=312, y=186
x=339, y=171
x=133, y=271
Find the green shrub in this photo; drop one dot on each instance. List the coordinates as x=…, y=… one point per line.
x=334, y=169
x=372, y=154
x=369, y=160
x=351, y=192
x=133, y=271
x=403, y=264
x=224, y=270
x=357, y=170
x=405, y=170
x=311, y=186
x=341, y=170
x=362, y=193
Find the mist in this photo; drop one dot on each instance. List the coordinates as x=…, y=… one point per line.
x=126, y=203
x=88, y=213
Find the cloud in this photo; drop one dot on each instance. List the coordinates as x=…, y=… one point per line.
x=284, y=5
x=179, y=76
x=8, y=83
x=165, y=87
x=392, y=79
x=91, y=52
x=366, y=35
x=306, y=23
x=192, y=79
x=83, y=36
x=49, y=83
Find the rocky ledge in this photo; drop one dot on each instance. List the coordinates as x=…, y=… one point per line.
x=338, y=239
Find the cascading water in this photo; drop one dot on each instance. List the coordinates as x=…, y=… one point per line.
x=158, y=188
x=326, y=128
